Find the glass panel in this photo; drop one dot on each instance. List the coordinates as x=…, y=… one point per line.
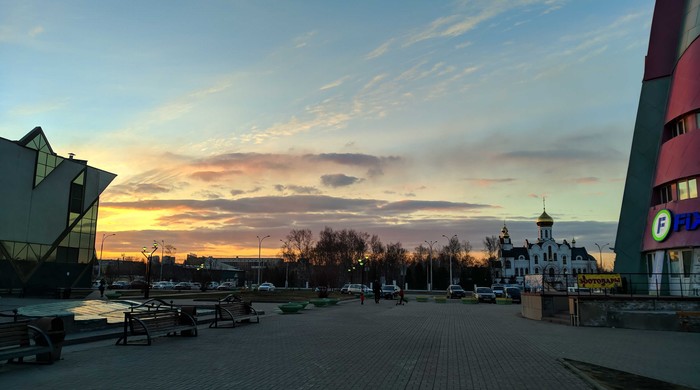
x=35, y=144
x=674, y=263
x=682, y=190
x=42, y=158
x=41, y=170
x=80, y=179
x=692, y=188
x=51, y=160
x=84, y=256
x=687, y=260
x=52, y=257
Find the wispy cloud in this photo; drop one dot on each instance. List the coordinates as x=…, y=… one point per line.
x=381, y=50
x=335, y=83
x=304, y=39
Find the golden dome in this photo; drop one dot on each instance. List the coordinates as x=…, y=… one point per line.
x=544, y=219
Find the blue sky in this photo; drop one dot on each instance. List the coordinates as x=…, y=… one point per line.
x=407, y=119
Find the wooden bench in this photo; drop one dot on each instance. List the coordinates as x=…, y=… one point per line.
x=19, y=339
x=689, y=320
x=156, y=318
x=233, y=309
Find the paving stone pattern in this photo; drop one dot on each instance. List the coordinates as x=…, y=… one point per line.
x=353, y=346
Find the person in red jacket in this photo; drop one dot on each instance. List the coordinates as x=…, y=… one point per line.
x=401, y=297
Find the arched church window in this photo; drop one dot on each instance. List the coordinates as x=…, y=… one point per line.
x=537, y=258
x=549, y=251
x=537, y=270
x=551, y=272
x=563, y=259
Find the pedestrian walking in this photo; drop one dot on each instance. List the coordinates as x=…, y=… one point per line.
x=362, y=297
x=401, y=297
x=102, y=288
x=377, y=291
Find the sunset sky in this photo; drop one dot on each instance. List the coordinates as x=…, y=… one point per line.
x=227, y=120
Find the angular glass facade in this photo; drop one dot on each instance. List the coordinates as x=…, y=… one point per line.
x=47, y=235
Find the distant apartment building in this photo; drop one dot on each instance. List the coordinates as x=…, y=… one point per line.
x=658, y=236
x=545, y=256
x=49, y=215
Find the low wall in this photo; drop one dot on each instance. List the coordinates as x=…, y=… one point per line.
x=632, y=312
x=651, y=313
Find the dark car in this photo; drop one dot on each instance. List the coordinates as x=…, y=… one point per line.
x=514, y=294
x=389, y=291
x=485, y=294
x=456, y=291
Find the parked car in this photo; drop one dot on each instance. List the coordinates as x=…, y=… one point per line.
x=183, y=286
x=138, y=284
x=514, y=294
x=212, y=285
x=456, y=291
x=499, y=290
x=163, y=285
x=344, y=289
x=266, y=287
x=358, y=288
x=227, y=286
x=390, y=291
x=485, y=294
x=120, y=284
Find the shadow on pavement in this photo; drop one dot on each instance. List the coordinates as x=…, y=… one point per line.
x=608, y=378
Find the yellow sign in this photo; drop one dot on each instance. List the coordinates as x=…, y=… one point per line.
x=599, y=280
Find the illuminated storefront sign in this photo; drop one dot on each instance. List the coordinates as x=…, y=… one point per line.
x=664, y=222
x=599, y=280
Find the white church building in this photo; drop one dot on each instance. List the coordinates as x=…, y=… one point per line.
x=545, y=256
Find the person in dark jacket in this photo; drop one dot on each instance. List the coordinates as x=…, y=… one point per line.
x=377, y=288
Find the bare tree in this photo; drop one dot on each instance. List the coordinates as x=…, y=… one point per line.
x=491, y=247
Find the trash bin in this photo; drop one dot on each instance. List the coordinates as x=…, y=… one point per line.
x=53, y=327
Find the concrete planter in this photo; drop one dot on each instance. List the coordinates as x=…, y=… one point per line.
x=440, y=299
x=470, y=301
x=320, y=302
x=504, y=301
x=288, y=308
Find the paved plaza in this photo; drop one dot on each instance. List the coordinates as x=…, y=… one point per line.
x=377, y=346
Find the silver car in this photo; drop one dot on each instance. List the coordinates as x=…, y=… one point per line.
x=485, y=294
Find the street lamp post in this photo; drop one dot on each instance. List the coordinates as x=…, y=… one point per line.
x=260, y=240
x=148, y=257
x=449, y=242
x=600, y=254
x=286, y=274
x=102, y=245
x=162, y=254
x=430, y=257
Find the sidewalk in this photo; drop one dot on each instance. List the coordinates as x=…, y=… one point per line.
x=353, y=346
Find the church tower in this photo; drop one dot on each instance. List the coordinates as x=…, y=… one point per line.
x=544, y=226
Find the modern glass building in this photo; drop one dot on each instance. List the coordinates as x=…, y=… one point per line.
x=49, y=216
x=658, y=235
